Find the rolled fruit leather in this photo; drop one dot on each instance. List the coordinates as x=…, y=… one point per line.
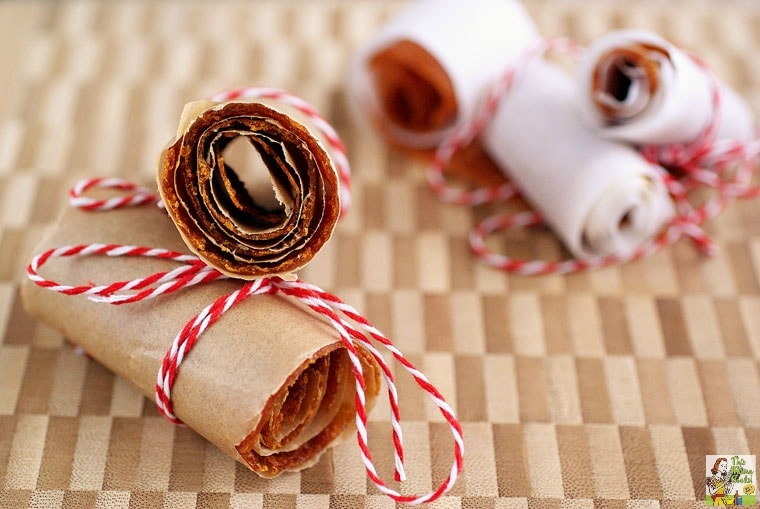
x=423, y=74
x=269, y=383
x=214, y=210
x=599, y=196
x=635, y=86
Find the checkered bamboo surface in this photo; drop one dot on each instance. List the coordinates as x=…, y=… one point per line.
x=599, y=390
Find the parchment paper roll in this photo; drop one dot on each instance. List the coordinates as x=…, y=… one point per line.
x=269, y=383
x=637, y=87
x=599, y=196
x=424, y=72
x=215, y=213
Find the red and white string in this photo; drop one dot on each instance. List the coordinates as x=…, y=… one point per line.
x=352, y=328
x=137, y=194
x=725, y=166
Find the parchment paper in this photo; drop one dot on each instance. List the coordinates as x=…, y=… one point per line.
x=635, y=86
x=599, y=196
x=423, y=74
x=266, y=368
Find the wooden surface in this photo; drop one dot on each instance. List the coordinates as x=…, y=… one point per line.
x=599, y=390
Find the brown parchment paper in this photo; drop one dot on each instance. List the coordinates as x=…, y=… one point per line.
x=214, y=212
x=269, y=383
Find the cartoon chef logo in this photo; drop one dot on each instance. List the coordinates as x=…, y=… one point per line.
x=730, y=480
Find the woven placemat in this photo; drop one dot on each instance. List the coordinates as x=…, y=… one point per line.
x=598, y=390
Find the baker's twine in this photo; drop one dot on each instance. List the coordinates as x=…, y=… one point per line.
x=725, y=166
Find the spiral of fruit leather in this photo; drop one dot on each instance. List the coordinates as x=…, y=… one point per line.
x=637, y=87
x=210, y=203
x=423, y=75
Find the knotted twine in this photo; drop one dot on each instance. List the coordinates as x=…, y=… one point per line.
x=353, y=329
x=726, y=167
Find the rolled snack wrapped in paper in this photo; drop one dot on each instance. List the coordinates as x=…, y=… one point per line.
x=634, y=86
x=214, y=210
x=270, y=383
x=599, y=196
x=423, y=74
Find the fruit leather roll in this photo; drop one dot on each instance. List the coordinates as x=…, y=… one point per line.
x=635, y=86
x=600, y=197
x=424, y=73
x=269, y=383
x=212, y=205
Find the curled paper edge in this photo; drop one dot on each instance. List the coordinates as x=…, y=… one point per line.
x=680, y=106
x=194, y=235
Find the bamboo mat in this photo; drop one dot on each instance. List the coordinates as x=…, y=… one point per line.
x=598, y=390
